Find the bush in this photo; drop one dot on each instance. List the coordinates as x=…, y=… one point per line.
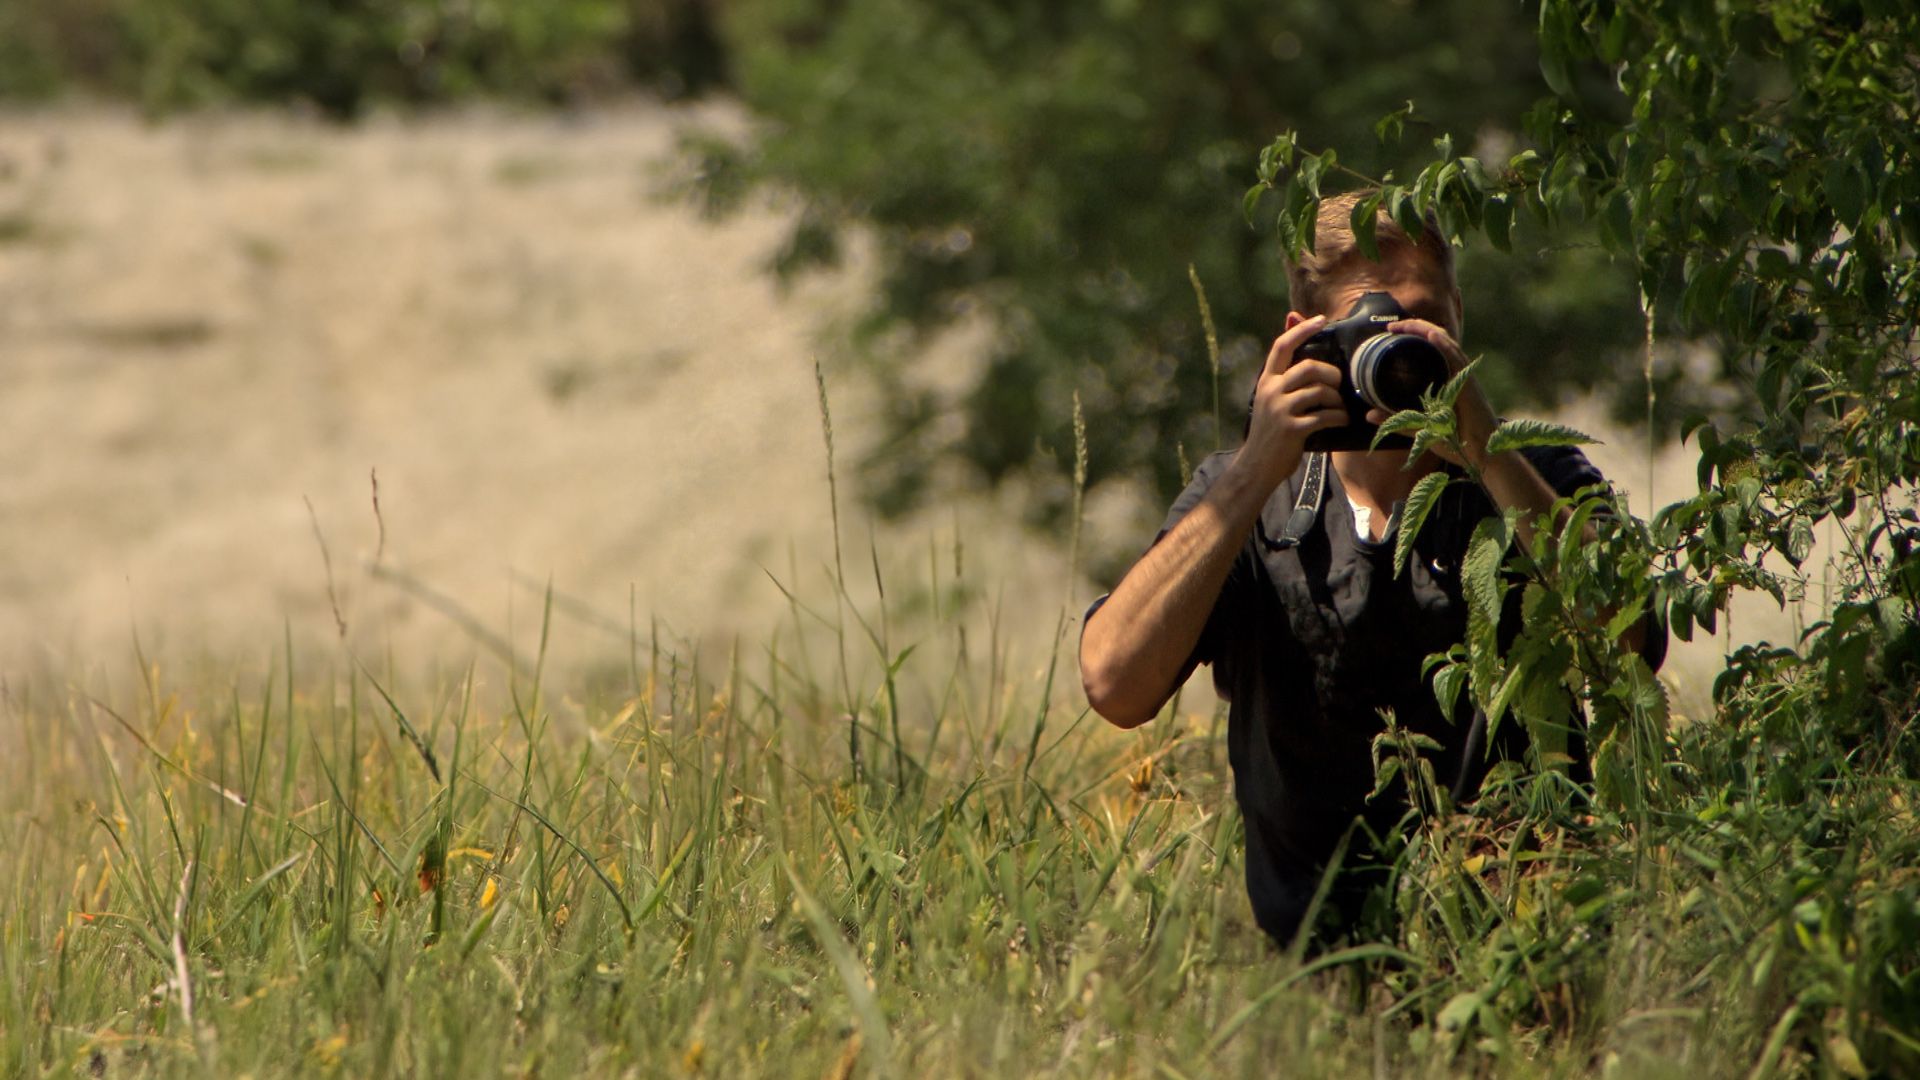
x=342, y=55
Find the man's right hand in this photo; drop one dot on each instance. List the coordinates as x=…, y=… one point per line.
x=1291, y=401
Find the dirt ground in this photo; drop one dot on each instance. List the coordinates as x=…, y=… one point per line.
x=209, y=324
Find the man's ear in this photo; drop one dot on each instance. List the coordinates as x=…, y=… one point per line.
x=1294, y=319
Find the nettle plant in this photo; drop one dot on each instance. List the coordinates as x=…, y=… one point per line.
x=1758, y=168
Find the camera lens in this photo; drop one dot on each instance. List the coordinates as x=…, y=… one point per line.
x=1391, y=371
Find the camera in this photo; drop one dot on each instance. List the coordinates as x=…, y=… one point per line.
x=1377, y=370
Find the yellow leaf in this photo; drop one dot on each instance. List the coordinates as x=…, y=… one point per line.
x=849, y=1058
x=1845, y=1056
x=1141, y=778
x=328, y=1050
x=489, y=895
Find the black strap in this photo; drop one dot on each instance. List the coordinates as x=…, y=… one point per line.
x=1306, y=509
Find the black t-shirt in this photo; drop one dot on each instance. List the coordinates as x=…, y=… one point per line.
x=1309, y=643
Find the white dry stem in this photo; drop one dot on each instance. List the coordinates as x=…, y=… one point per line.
x=1646, y=309
x=182, y=983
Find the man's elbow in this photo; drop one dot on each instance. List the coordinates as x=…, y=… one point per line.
x=1114, y=707
x=1105, y=685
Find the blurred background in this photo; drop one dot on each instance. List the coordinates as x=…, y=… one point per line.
x=554, y=275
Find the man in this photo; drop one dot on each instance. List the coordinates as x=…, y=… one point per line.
x=1310, y=637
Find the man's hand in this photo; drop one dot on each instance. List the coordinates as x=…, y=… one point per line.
x=1473, y=417
x=1291, y=401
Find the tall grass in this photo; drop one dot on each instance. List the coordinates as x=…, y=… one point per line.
x=683, y=875
x=304, y=865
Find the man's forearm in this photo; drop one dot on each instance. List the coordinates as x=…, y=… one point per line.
x=1135, y=645
x=1514, y=485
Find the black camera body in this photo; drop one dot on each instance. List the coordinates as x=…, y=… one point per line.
x=1377, y=370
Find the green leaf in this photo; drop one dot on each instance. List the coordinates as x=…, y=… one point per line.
x=1799, y=542
x=1385, y=769
x=1499, y=222
x=1365, y=219
x=1553, y=65
x=1308, y=223
x=1459, y=1011
x=1388, y=127
x=1573, y=533
x=1845, y=191
x=1252, y=201
x=1515, y=434
x=1475, y=174
x=1480, y=570
x=1485, y=590
x=1613, y=39
x=1624, y=619
x=1511, y=686
x=1706, y=609
x=1406, y=211
x=1616, y=223
x=1404, y=420
x=1428, y=437
x=1539, y=604
x=1309, y=175
x=1447, y=684
x=1277, y=155
x=1420, y=503
x=1449, y=391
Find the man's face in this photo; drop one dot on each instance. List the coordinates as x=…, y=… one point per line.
x=1409, y=277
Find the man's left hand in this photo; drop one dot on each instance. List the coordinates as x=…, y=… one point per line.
x=1474, y=419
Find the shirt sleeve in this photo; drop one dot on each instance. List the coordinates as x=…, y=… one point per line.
x=1566, y=470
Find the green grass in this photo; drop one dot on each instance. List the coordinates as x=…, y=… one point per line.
x=881, y=840
x=676, y=871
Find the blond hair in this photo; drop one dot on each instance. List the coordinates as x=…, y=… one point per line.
x=1335, y=250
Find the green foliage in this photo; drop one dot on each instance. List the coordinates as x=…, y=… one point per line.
x=674, y=868
x=1760, y=174
x=1420, y=502
x=1051, y=170
x=341, y=56
x=1519, y=434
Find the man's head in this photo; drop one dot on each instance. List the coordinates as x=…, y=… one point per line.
x=1417, y=270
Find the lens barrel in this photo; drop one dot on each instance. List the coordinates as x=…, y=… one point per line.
x=1391, y=371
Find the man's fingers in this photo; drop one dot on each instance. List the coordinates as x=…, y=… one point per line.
x=1419, y=327
x=1307, y=373
x=1318, y=396
x=1281, y=355
x=1326, y=418
x=1300, y=400
x=1435, y=335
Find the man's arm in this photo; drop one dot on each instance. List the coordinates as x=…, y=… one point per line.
x=1509, y=479
x=1136, y=644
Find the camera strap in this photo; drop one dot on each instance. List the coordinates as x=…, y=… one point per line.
x=1306, y=508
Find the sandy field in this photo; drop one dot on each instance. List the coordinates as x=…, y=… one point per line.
x=208, y=325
